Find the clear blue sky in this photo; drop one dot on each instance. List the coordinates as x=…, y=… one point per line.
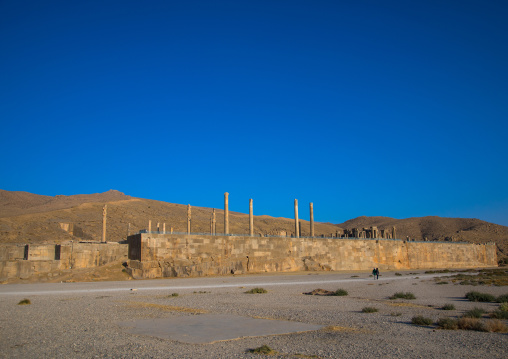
x=376, y=108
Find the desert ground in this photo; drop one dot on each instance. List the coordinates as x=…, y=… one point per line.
x=215, y=318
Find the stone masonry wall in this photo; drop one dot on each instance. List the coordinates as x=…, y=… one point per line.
x=52, y=258
x=166, y=255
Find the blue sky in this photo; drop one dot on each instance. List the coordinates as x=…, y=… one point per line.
x=375, y=108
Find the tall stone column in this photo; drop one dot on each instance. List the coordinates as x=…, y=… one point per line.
x=188, y=219
x=297, y=229
x=214, y=221
x=164, y=227
x=251, y=219
x=226, y=213
x=311, y=219
x=394, y=233
x=104, y=215
x=149, y=226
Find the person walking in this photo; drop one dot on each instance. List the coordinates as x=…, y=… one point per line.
x=377, y=273
x=374, y=273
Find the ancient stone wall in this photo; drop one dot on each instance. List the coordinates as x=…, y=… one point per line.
x=25, y=261
x=171, y=255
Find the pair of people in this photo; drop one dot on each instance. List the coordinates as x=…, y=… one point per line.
x=375, y=273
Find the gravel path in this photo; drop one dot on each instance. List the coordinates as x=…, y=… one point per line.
x=81, y=320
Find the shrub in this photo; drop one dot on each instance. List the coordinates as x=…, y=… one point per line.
x=504, y=307
x=24, y=302
x=402, y=295
x=480, y=297
x=448, y=323
x=174, y=295
x=496, y=326
x=256, y=291
x=448, y=307
x=393, y=314
x=474, y=313
x=398, y=274
x=471, y=324
x=442, y=282
x=499, y=314
x=421, y=320
x=264, y=349
x=369, y=310
x=340, y=292
x=502, y=298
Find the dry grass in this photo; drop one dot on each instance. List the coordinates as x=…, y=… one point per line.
x=337, y=328
x=167, y=308
x=496, y=326
x=471, y=324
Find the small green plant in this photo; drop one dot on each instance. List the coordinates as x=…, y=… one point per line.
x=340, y=292
x=442, y=282
x=398, y=274
x=448, y=323
x=264, y=349
x=474, y=313
x=369, y=310
x=256, y=291
x=504, y=307
x=174, y=295
x=502, y=298
x=421, y=320
x=402, y=295
x=24, y=302
x=448, y=307
x=393, y=314
x=474, y=296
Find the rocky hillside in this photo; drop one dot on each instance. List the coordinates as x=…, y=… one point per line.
x=31, y=218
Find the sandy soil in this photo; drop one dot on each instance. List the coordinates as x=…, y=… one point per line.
x=84, y=320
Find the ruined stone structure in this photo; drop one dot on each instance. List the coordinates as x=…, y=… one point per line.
x=158, y=255
x=226, y=213
x=25, y=261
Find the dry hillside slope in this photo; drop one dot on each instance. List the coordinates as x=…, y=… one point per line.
x=31, y=218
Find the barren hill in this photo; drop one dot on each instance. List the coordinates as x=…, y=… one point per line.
x=31, y=218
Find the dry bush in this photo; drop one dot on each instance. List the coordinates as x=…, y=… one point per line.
x=421, y=320
x=448, y=323
x=474, y=313
x=471, y=324
x=496, y=326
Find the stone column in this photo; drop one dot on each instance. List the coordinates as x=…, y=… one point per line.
x=158, y=227
x=104, y=215
x=311, y=205
x=188, y=219
x=394, y=234
x=149, y=225
x=164, y=228
x=214, y=221
x=251, y=219
x=297, y=229
x=226, y=213
x=129, y=230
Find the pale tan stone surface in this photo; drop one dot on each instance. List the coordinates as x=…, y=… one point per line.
x=196, y=255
